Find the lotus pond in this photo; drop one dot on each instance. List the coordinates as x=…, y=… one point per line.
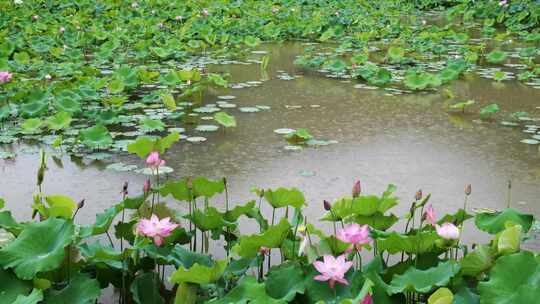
x=158, y=152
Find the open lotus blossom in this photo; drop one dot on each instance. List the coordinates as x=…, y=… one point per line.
x=5, y=76
x=368, y=299
x=153, y=161
x=354, y=234
x=156, y=228
x=429, y=215
x=332, y=270
x=448, y=231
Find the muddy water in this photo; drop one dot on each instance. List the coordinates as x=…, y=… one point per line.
x=409, y=140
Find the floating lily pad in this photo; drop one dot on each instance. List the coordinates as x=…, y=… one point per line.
x=121, y=167
x=284, y=131
x=530, y=141
x=249, y=109
x=196, y=139
x=207, y=128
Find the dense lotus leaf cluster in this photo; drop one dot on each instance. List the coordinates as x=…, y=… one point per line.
x=142, y=242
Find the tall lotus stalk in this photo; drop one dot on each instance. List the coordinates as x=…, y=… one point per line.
x=123, y=290
x=328, y=207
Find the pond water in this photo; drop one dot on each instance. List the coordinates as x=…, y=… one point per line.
x=409, y=140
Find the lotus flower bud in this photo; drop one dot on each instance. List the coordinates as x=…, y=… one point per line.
x=264, y=250
x=418, y=195
x=357, y=189
x=146, y=187
x=189, y=183
x=35, y=17
x=327, y=205
x=125, y=188
x=302, y=229
x=468, y=190
x=225, y=181
x=81, y=204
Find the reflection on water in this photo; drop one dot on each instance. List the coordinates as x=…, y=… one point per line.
x=408, y=140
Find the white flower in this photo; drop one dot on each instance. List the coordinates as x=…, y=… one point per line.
x=18, y=2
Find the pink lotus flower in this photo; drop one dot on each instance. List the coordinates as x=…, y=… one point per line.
x=368, y=299
x=332, y=270
x=153, y=161
x=429, y=215
x=155, y=228
x=354, y=234
x=264, y=250
x=448, y=231
x=357, y=189
x=5, y=76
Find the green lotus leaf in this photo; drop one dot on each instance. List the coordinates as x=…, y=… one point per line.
x=161, y=52
x=528, y=52
x=377, y=220
x=194, y=75
x=478, y=261
x=381, y=77
x=300, y=135
x=337, y=66
x=283, y=197
x=81, y=290
x=199, y=274
x=365, y=205
x=209, y=219
x=252, y=41
x=67, y=104
x=178, y=255
x=515, y=278
x=59, y=121
x=99, y=254
x=496, y=222
x=496, y=56
x=396, y=54
x=33, y=298
x=8, y=223
x=441, y=296
x=145, y=289
x=39, y=247
x=417, y=80
x=466, y=296
x=107, y=117
x=178, y=189
x=145, y=145
x=249, y=210
x=150, y=125
x=32, y=126
x=217, y=80
x=424, y=281
x=60, y=206
x=285, y=281
x=116, y=86
x=96, y=137
x=169, y=102
x=248, y=245
x=457, y=218
x=34, y=108
x=509, y=239
x=489, y=110
x=395, y=242
x=103, y=221
x=225, y=119
x=462, y=105
x=248, y=290
x=12, y=287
